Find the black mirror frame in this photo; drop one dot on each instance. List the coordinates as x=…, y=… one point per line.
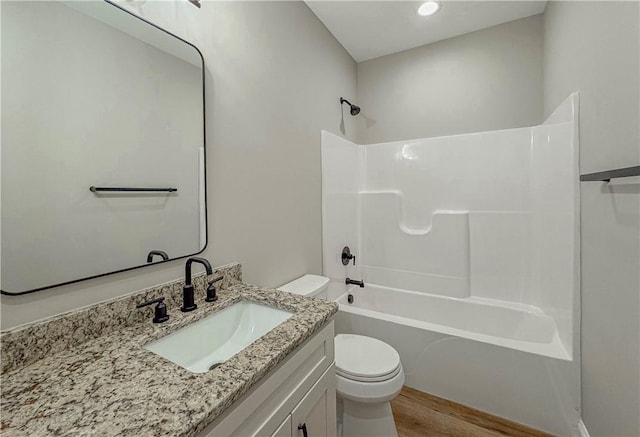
x=204, y=142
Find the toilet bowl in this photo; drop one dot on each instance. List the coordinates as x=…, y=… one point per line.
x=369, y=375
x=368, y=372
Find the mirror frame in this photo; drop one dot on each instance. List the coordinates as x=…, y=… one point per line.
x=204, y=143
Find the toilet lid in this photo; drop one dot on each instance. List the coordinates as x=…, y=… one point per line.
x=363, y=358
x=307, y=285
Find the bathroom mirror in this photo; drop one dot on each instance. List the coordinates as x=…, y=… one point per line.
x=94, y=96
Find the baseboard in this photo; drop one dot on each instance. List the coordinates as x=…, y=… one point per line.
x=582, y=429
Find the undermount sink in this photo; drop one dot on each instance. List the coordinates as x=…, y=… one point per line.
x=206, y=343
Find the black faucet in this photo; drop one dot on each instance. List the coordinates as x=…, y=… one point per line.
x=188, y=292
x=354, y=282
x=347, y=256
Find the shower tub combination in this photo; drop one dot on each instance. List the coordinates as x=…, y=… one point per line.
x=468, y=247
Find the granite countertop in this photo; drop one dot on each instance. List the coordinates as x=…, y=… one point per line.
x=110, y=385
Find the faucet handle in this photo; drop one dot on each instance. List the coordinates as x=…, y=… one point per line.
x=347, y=256
x=211, y=290
x=160, y=311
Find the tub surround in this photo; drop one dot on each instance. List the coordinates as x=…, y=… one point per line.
x=443, y=217
x=86, y=372
x=449, y=241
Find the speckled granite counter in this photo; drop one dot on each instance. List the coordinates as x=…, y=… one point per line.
x=110, y=385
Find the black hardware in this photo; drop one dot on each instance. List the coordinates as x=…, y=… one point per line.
x=211, y=290
x=354, y=282
x=94, y=189
x=160, y=253
x=347, y=256
x=350, y=298
x=188, y=292
x=355, y=110
x=303, y=427
x=195, y=3
x=606, y=176
x=160, y=312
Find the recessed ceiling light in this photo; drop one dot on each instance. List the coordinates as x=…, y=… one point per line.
x=428, y=8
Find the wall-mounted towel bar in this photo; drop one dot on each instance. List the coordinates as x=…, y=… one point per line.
x=606, y=176
x=96, y=189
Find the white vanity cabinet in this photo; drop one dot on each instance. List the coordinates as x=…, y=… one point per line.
x=285, y=429
x=315, y=414
x=298, y=395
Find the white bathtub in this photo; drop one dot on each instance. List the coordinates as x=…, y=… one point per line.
x=505, y=359
x=516, y=326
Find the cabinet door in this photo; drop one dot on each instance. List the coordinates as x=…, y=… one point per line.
x=284, y=430
x=315, y=415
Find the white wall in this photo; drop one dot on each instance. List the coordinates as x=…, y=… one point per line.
x=593, y=47
x=485, y=80
x=275, y=75
x=278, y=83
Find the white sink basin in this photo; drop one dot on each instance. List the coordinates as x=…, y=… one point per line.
x=216, y=338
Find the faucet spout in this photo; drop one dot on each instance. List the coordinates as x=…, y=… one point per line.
x=196, y=259
x=349, y=281
x=188, y=292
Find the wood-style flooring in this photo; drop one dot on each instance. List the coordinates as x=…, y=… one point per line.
x=419, y=414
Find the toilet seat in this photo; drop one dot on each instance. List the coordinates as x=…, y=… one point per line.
x=361, y=378
x=365, y=359
x=370, y=392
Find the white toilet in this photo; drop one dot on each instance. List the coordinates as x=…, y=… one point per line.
x=368, y=371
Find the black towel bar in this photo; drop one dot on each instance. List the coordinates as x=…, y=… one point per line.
x=606, y=176
x=96, y=189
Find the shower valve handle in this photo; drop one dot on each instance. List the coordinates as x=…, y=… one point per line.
x=347, y=256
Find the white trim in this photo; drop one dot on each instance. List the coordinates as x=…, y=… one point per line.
x=582, y=429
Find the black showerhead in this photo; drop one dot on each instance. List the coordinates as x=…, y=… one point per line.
x=355, y=110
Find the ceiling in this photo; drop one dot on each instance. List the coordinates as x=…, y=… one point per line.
x=369, y=29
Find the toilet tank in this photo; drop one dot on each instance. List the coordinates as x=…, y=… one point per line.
x=308, y=285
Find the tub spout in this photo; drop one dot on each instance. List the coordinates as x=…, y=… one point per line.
x=354, y=282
